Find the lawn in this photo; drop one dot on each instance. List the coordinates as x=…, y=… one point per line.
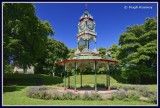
x=15, y=86
x=89, y=80
x=18, y=97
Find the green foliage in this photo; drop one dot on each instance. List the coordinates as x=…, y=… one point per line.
x=86, y=96
x=114, y=49
x=92, y=96
x=96, y=96
x=101, y=85
x=24, y=34
x=41, y=93
x=126, y=95
x=60, y=85
x=133, y=95
x=88, y=71
x=153, y=97
x=134, y=92
x=76, y=97
x=102, y=52
x=55, y=51
x=71, y=53
x=144, y=91
x=9, y=69
x=56, y=96
x=119, y=95
x=19, y=98
x=30, y=79
x=70, y=96
x=12, y=88
x=136, y=54
x=116, y=69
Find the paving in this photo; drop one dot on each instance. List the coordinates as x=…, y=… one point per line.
x=104, y=93
x=89, y=91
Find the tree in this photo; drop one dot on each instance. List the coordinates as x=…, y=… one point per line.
x=71, y=53
x=138, y=53
x=24, y=34
x=55, y=51
x=114, y=49
x=102, y=52
x=116, y=68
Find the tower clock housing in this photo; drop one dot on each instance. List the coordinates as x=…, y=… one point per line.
x=86, y=32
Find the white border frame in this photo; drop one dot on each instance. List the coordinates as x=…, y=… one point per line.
x=82, y=3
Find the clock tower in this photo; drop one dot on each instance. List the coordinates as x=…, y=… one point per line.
x=86, y=33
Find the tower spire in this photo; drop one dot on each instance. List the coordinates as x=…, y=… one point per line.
x=86, y=6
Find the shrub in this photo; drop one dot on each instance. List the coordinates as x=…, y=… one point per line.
x=43, y=88
x=43, y=95
x=119, y=95
x=143, y=90
x=56, y=96
x=133, y=95
x=60, y=85
x=87, y=86
x=101, y=85
x=63, y=97
x=153, y=97
x=67, y=96
x=76, y=97
x=96, y=96
x=116, y=86
x=126, y=87
x=32, y=92
x=48, y=96
x=86, y=96
x=38, y=93
x=123, y=95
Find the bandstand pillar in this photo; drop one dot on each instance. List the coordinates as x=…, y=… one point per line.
x=75, y=69
x=68, y=79
x=95, y=69
x=81, y=78
x=108, y=78
x=64, y=76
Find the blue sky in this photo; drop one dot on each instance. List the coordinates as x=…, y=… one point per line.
x=111, y=19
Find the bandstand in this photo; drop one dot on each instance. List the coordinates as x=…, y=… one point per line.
x=86, y=58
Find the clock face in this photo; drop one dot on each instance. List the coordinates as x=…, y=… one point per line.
x=90, y=24
x=82, y=25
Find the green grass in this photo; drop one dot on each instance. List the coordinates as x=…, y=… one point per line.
x=90, y=80
x=12, y=88
x=153, y=86
x=30, y=79
x=20, y=98
x=15, y=92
